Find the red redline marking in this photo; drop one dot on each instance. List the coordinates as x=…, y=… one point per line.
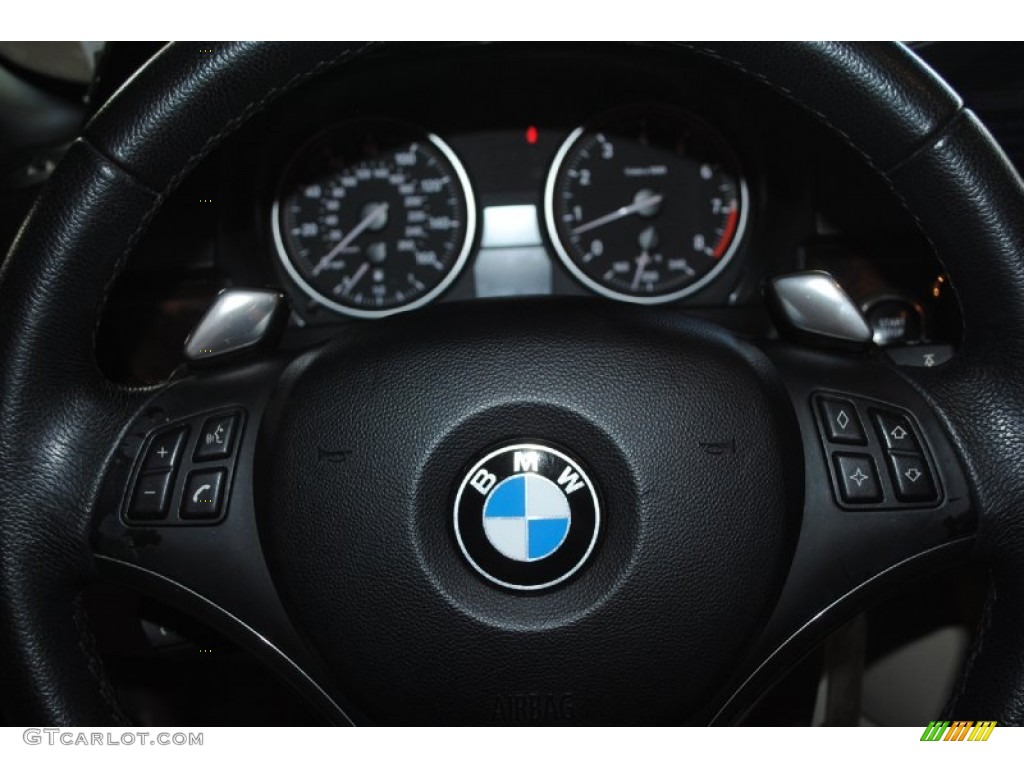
x=730, y=230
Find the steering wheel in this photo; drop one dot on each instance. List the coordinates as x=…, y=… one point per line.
x=726, y=546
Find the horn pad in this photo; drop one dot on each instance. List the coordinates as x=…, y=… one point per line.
x=390, y=486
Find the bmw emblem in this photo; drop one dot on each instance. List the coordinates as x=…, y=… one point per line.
x=526, y=516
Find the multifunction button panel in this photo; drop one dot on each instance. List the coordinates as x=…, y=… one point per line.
x=183, y=473
x=876, y=454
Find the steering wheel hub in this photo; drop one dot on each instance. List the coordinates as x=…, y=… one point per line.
x=634, y=447
x=527, y=516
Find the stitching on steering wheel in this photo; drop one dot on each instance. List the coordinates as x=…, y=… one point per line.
x=253, y=107
x=976, y=646
x=930, y=140
x=94, y=663
x=86, y=640
x=782, y=90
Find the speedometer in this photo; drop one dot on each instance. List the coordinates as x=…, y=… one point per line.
x=645, y=204
x=374, y=218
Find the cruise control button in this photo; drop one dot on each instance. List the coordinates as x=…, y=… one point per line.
x=841, y=422
x=165, y=450
x=911, y=478
x=895, y=431
x=217, y=437
x=152, y=494
x=858, y=479
x=201, y=499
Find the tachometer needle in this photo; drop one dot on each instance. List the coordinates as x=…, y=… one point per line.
x=636, y=206
x=374, y=216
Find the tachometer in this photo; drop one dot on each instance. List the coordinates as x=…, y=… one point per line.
x=645, y=204
x=374, y=218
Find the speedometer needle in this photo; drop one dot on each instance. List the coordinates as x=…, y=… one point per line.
x=374, y=216
x=635, y=207
x=351, y=282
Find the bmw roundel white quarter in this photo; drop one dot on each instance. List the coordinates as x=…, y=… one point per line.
x=526, y=516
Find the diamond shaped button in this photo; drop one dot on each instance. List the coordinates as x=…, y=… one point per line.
x=839, y=417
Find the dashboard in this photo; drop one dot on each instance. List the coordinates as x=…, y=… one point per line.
x=623, y=174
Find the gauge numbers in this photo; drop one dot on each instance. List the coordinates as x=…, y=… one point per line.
x=374, y=218
x=645, y=205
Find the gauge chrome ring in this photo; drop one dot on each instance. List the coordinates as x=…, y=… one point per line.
x=569, y=263
x=372, y=314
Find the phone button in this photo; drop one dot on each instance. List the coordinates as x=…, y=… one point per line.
x=201, y=498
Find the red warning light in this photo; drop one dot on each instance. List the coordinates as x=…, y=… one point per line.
x=531, y=135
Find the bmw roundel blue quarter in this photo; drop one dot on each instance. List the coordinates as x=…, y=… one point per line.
x=526, y=516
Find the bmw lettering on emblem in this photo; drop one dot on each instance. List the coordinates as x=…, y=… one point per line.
x=526, y=516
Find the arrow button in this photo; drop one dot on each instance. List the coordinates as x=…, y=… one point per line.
x=911, y=478
x=895, y=431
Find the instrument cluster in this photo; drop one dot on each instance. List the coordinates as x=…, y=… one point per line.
x=465, y=173
x=645, y=203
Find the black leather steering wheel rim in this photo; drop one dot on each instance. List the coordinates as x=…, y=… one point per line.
x=60, y=419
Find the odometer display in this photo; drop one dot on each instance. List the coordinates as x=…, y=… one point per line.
x=645, y=204
x=374, y=218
